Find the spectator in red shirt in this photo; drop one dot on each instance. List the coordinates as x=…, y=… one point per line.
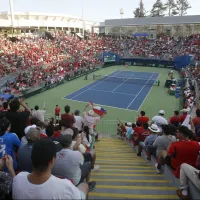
x=175, y=120
x=57, y=112
x=142, y=118
x=69, y=119
x=139, y=128
x=196, y=120
x=184, y=151
x=140, y=137
x=183, y=116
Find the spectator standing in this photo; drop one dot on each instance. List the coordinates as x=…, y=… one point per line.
x=159, y=119
x=69, y=119
x=79, y=121
x=41, y=184
x=24, y=153
x=142, y=118
x=57, y=112
x=19, y=120
x=8, y=141
x=39, y=114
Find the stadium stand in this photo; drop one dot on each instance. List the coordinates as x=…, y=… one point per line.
x=67, y=148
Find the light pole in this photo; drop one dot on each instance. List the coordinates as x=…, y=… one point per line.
x=83, y=27
x=121, y=13
x=11, y=14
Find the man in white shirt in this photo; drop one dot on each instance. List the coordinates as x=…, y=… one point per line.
x=41, y=184
x=159, y=119
x=79, y=121
x=70, y=164
x=39, y=114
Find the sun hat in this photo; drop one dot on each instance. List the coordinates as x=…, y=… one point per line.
x=91, y=113
x=154, y=128
x=162, y=112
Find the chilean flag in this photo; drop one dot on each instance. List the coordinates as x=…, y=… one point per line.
x=98, y=110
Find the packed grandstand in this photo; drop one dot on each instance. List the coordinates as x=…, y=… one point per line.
x=61, y=153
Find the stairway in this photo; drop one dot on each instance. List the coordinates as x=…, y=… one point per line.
x=123, y=175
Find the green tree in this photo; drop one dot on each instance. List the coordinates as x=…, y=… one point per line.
x=182, y=7
x=140, y=11
x=172, y=7
x=158, y=9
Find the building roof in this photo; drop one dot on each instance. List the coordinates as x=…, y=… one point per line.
x=192, y=19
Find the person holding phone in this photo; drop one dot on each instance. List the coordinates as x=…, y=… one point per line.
x=9, y=142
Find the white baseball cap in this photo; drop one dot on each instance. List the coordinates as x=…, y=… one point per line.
x=162, y=112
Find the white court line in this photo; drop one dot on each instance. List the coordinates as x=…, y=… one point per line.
x=147, y=94
x=100, y=105
x=140, y=91
x=113, y=92
x=93, y=86
x=91, y=83
x=123, y=82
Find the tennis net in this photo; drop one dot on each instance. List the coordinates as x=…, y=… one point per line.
x=139, y=81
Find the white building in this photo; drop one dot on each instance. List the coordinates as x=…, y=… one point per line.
x=28, y=21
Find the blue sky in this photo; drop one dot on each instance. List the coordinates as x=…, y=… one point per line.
x=93, y=10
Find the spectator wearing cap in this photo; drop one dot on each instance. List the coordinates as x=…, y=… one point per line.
x=43, y=156
x=159, y=119
x=184, y=115
x=129, y=130
x=24, y=138
x=38, y=114
x=175, y=120
x=9, y=142
x=161, y=144
x=19, y=120
x=69, y=119
x=142, y=118
x=70, y=164
x=183, y=151
x=79, y=121
x=24, y=154
x=149, y=140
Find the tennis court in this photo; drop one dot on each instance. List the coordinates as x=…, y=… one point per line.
x=120, y=89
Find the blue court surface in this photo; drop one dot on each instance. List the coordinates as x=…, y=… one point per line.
x=121, y=89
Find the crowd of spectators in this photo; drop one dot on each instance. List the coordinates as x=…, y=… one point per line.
x=164, y=47
x=56, y=153
x=52, y=60
x=173, y=141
